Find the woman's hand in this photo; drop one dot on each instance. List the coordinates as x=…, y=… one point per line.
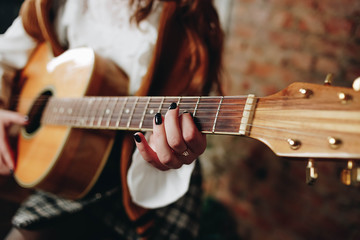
x=8, y=118
x=175, y=140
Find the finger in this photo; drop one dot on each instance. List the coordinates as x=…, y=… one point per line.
x=4, y=170
x=161, y=146
x=5, y=151
x=8, y=117
x=147, y=152
x=173, y=131
x=194, y=139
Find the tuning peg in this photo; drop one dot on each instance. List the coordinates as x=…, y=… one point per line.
x=328, y=79
x=356, y=84
x=311, y=172
x=350, y=175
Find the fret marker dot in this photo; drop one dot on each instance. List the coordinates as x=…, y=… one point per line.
x=127, y=110
x=61, y=110
x=107, y=111
x=69, y=111
x=152, y=111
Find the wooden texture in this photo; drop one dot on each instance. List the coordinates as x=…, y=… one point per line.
x=61, y=159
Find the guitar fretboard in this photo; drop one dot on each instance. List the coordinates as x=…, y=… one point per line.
x=222, y=115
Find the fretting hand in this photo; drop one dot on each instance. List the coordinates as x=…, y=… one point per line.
x=175, y=140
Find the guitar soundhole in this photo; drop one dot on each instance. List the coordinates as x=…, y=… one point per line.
x=36, y=112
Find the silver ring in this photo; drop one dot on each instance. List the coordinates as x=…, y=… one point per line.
x=185, y=153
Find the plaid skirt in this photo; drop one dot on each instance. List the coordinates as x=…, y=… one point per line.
x=179, y=220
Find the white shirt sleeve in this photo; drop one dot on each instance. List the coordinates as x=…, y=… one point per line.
x=153, y=188
x=16, y=47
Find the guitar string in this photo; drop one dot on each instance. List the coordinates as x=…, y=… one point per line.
x=211, y=105
x=169, y=98
x=154, y=99
x=204, y=121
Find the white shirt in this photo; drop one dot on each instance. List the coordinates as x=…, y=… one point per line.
x=105, y=27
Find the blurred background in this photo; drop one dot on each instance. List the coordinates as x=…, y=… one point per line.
x=270, y=44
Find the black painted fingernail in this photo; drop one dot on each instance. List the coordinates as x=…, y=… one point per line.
x=158, y=119
x=137, y=138
x=26, y=118
x=188, y=113
x=173, y=105
x=11, y=171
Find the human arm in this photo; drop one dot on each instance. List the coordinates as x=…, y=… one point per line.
x=15, y=49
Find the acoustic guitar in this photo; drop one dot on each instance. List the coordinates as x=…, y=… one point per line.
x=73, y=111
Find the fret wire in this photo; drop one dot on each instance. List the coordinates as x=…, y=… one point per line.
x=143, y=116
x=161, y=104
x=90, y=102
x=57, y=115
x=131, y=114
x=178, y=102
x=102, y=109
x=48, y=112
x=81, y=112
x=72, y=111
x=217, y=114
x=95, y=110
x=108, y=112
x=91, y=117
x=196, y=106
x=111, y=111
x=121, y=112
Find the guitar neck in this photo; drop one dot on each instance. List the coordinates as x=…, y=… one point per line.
x=292, y=123
x=217, y=115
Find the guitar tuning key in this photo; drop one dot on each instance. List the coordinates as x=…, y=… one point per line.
x=311, y=172
x=350, y=175
x=328, y=79
x=356, y=84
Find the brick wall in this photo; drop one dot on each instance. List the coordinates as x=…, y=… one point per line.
x=275, y=42
x=270, y=44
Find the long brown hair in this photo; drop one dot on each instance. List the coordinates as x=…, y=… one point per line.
x=201, y=20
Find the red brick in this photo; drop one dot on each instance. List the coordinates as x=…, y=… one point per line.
x=308, y=5
x=282, y=19
x=339, y=7
x=286, y=39
x=261, y=70
x=282, y=3
x=339, y=28
x=244, y=31
x=311, y=23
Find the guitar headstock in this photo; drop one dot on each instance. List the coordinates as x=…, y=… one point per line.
x=311, y=121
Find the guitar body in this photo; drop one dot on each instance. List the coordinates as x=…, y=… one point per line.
x=60, y=159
